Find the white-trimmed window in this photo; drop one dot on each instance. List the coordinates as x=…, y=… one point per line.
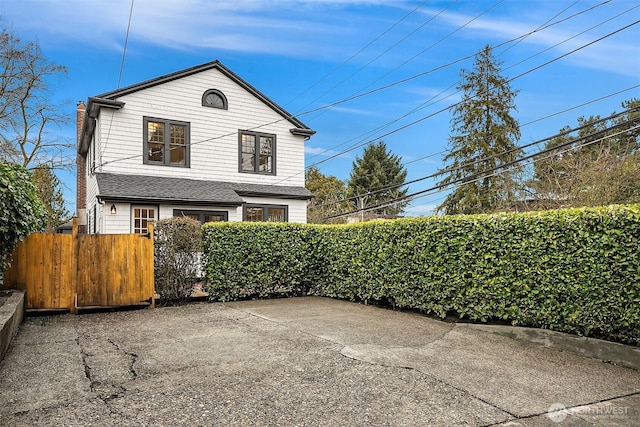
x=141, y=216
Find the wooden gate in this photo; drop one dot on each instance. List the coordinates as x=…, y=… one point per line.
x=70, y=271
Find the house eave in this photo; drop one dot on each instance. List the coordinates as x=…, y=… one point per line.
x=273, y=194
x=94, y=104
x=305, y=132
x=165, y=201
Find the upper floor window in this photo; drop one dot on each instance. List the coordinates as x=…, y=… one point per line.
x=215, y=99
x=166, y=142
x=257, y=152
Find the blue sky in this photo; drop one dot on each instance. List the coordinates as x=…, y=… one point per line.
x=403, y=57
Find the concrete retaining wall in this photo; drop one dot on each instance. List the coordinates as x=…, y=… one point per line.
x=11, y=315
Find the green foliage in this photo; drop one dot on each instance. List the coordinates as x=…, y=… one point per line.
x=176, y=254
x=600, y=165
x=573, y=270
x=484, y=136
x=50, y=193
x=377, y=178
x=255, y=260
x=329, y=197
x=21, y=211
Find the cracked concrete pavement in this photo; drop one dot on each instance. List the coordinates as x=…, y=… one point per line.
x=302, y=361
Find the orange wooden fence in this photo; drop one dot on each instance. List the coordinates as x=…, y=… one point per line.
x=70, y=271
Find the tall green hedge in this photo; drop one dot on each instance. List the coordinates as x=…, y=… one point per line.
x=255, y=260
x=574, y=270
x=21, y=210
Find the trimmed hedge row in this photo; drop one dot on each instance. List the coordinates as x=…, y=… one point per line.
x=255, y=260
x=575, y=270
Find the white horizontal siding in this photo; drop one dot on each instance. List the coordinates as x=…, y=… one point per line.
x=120, y=222
x=214, y=132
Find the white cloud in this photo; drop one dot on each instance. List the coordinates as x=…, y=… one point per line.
x=319, y=151
x=274, y=27
x=619, y=56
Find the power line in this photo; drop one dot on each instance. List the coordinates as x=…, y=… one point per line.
x=382, y=88
x=395, y=24
x=124, y=54
x=484, y=159
x=481, y=174
x=126, y=41
x=532, y=160
x=555, y=114
x=424, y=73
x=390, y=48
x=352, y=147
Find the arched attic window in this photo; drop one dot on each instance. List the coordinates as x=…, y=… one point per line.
x=215, y=99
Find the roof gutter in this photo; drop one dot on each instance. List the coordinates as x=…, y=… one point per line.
x=306, y=132
x=94, y=105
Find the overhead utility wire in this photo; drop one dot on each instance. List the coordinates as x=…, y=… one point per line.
x=533, y=160
x=493, y=156
x=557, y=113
x=353, y=147
x=124, y=55
x=528, y=162
x=428, y=102
x=481, y=174
x=425, y=104
x=376, y=90
x=520, y=147
x=395, y=24
x=384, y=52
x=358, y=95
x=415, y=56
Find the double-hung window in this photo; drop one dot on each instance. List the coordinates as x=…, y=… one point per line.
x=166, y=142
x=266, y=213
x=257, y=152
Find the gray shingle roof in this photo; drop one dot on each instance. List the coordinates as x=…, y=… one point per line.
x=184, y=190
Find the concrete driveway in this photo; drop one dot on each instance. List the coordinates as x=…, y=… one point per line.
x=299, y=362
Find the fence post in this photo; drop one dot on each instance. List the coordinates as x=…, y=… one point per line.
x=73, y=288
x=151, y=278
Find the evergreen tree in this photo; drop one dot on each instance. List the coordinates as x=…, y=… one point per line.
x=329, y=196
x=484, y=135
x=48, y=186
x=377, y=178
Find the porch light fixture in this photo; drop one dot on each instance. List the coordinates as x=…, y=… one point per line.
x=113, y=209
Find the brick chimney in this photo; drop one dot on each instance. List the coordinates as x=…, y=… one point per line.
x=81, y=173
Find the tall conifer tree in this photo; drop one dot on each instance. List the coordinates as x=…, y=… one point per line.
x=483, y=136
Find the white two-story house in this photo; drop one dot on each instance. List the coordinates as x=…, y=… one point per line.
x=201, y=142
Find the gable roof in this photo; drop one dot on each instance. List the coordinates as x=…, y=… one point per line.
x=109, y=100
x=143, y=188
x=215, y=65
